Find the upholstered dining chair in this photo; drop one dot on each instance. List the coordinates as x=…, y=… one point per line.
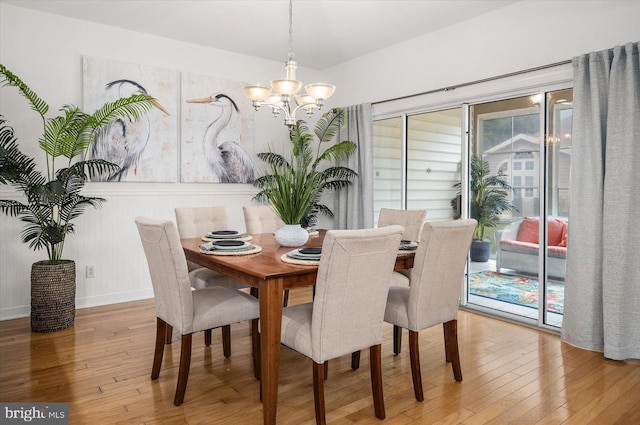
x=347, y=311
x=431, y=293
x=411, y=220
x=194, y=223
x=180, y=306
x=263, y=219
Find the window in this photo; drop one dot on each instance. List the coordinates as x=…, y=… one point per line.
x=529, y=165
x=517, y=165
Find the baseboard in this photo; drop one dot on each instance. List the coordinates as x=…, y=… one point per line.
x=10, y=313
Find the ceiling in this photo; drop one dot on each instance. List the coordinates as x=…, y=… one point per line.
x=325, y=32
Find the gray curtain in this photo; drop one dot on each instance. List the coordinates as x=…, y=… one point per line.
x=602, y=293
x=353, y=206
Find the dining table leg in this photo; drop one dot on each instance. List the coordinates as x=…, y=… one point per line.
x=271, y=293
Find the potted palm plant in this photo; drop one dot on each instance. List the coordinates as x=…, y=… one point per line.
x=294, y=185
x=489, y=199
x=53, y=200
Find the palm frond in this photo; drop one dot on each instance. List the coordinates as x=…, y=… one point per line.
x=133, y=107
x=328, y=125
x=341, y=173
x=15, y=167
x=338, y=152
x=7, y=78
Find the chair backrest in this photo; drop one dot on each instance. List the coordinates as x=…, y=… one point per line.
x=438, y=271
x=411, y=220
x=197, y=222
x=261, y=219
x=168, y=269
x=351, y=290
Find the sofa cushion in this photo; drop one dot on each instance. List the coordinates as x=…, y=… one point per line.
x=528, y=230
x=531, y=248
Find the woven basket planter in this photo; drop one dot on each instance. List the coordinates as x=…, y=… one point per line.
x=53, y=296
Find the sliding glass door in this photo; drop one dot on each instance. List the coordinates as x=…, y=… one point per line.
x=525, y=142
x=417, y=162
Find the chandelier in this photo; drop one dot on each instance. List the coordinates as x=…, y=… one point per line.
x=282, y=97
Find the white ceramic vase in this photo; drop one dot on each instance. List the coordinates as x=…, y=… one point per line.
x=292, y=235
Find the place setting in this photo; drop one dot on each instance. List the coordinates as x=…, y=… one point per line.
x=305, y=256
x=407, y=247
x=223, y=235
x=229, y=247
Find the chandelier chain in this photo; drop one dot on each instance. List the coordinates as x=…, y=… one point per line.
x=291, y=55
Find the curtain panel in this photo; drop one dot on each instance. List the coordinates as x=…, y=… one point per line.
x=353, y=205
x=602, y=286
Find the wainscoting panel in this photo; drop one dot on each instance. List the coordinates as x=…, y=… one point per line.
x=107, y=239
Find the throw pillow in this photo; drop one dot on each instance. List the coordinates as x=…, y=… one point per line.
x=528, y=230
x=555, y=231
x=563, y=242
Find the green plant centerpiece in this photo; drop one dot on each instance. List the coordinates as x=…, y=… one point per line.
x=294, y=185
x=53, y=199
x=489, y=200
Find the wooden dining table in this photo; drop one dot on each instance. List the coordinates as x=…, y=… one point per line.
x=271, y=276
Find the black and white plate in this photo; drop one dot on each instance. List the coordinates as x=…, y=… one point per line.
x=408, y=245
x=299, y=255
x=226, y=234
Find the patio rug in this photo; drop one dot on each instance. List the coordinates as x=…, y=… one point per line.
x=516, y=289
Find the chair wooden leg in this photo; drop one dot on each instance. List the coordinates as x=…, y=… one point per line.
x=376, y=380
x=255, y=349
x=161, y=331
x=318, y=392
x=226, y=341
x=416, y=374
x=285, y=302
x=447, y=355
x=168, y=334
x=326, y=370
x=451, y=344
x=207, y=338
x=355, y=360
x=183, y=370
x=397, y=339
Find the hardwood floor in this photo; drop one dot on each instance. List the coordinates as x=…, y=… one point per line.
x=512, y=374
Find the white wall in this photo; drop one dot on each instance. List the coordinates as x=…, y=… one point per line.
x=45, y=51
x=525, y=35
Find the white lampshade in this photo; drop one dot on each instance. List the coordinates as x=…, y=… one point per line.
x=305, y=99
x=256, y=93
x=320, y=90
x=274, y=99
x=286, y=87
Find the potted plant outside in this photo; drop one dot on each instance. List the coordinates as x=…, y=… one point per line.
x=294, y=185
x=489, y=199
x=53, y=200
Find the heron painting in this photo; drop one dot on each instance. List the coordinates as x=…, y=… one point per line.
x=215, y=131
x=123, y=140
x=146, y=150
x=227, y=159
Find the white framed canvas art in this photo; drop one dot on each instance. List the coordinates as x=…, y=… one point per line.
x=217, y=135
x=146, y=150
